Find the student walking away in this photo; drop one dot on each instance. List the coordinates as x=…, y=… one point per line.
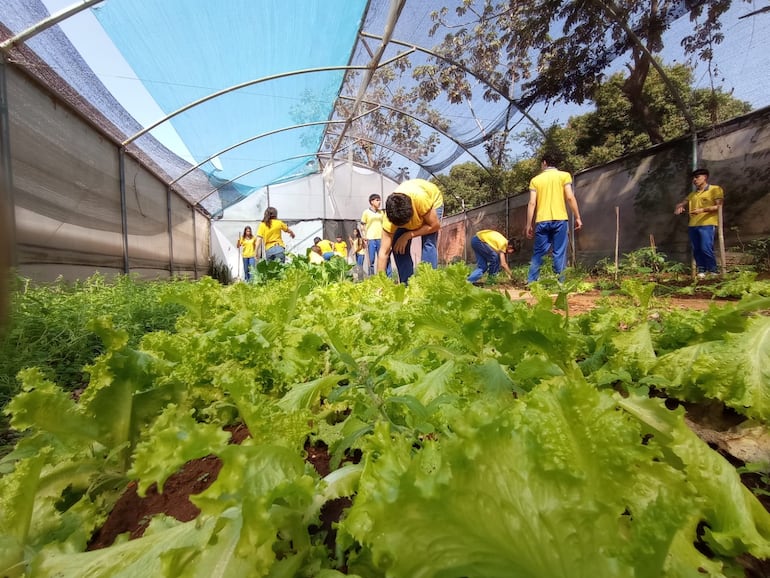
x=547, y=222
x=491, y=249
x=702, y=206
x=271, y=231
x=371, y=219
x=327, y=249
x=247, y=243
x=414, y=209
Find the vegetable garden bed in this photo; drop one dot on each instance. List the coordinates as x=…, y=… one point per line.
x=502, y=436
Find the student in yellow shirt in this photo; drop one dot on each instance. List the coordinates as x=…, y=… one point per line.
x=702, y=205
x=327, y=250
x=247, y=242
x=371, y=219
x=341, y=246
x=490, y=248
x=358, y=246
x=314, y=255
x=270, y=231
x=414, y=209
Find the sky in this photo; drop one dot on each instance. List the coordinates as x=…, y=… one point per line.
x=742, y=66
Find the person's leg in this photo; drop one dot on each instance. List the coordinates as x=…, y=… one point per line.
x=706, y=235
x=539, y=249
x=359, y=260
x=430, y=244
x=247, y=265
x=374, y=248
x=697, y=251
x=481, y=261
x=559, y=242
x=493, y=261
x=404, y=263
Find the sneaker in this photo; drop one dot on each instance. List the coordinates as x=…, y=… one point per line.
x=701, y=275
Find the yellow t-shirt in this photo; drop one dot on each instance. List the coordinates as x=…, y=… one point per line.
x=494, y=239
x=702, y=199
x=315, y=258
x=372, y=221
x=272, y=235
x=326, y=246
x=549, y=185
x=248, y=246
x=425, y=196
x=341, y=248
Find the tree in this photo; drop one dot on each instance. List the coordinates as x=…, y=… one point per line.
x=551, y=50
x=612, y=130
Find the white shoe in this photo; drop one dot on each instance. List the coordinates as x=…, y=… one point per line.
x=701, y=275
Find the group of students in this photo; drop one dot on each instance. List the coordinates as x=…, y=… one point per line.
x=269, y=236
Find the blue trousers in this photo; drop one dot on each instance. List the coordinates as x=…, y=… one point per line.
x=404, y=263
x=702, y=241
x=487, y=259
x=549, y=235
x=248, y=263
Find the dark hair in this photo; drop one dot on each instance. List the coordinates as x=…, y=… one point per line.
x=698, y=172
x=247, y=228
x=551, y=158
x=374, y=196
x=270, y=214
x=399, y=209
x=317, y=240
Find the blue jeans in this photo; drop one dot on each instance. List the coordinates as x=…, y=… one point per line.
x=276, y=253
x=702, y=241
x=487, y=259
x=549, y=235
x=374, y=248
x=248, y=263
x=404, y=263
x=359, y=260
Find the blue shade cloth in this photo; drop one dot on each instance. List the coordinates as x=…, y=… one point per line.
x=186, y=50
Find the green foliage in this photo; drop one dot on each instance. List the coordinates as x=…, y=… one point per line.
x=759, y=249
x=473, y=418
x=50, y=326
x=220, y=271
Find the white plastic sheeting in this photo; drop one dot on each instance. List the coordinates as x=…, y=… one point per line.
x=338, y=194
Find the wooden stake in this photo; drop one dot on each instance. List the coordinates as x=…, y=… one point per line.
x=722, y=258
x=617, y=239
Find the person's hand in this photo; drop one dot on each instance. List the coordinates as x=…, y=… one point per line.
x=679, y=210
x=400, y=245
x=529, y=232
x=578, y=224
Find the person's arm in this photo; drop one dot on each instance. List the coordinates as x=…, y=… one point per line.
x=680, y=206
x=257, y=245
x=529, y=228
x=573, y=205
x=383, y=256
x=430, y=224
x=239, y=243
x=504, y=262
x=712, y=209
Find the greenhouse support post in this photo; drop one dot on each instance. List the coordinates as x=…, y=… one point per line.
x=123, y=211
x=7, y=203
x=170, y=233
